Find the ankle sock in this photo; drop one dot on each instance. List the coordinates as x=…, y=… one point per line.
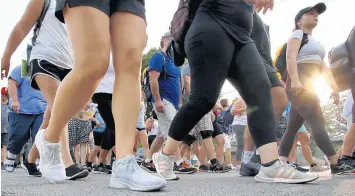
x=179, y=162
x=247, y=156
x=147, y=160
x=269, y=163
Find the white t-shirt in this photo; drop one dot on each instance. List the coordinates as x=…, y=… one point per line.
x=140, y=123
x=313, y=50
x=106, y=84
x=52, y=43
x=154, y=129
x=348, y=105
x=240, y=119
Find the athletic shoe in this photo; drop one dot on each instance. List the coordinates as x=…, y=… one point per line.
x=10, y=164
x=149, y=167
x=109, y=168
x=301, y=169
x=341, y=168
x=73, y=172
x=101, y=169
x=347, y=160
x=219, y=168
x=126, y=173
x=31, y=169
x=184, y=168
x=51, y=163
x=281, y=172
x=203, y=168
x=232, y=167
x=165, y=166
x=249, y=169
x=317, y=168
x=3, y=166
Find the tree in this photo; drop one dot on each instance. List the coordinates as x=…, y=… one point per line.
x=147, y=56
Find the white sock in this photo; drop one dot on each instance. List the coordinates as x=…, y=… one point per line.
x=147, y=160
x=179, y=162
x=257, y=153
x=247, y=156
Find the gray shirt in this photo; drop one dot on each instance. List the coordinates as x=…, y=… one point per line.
x=185, y=71
x=4, y=119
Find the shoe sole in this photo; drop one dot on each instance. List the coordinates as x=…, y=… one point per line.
x=24, y=168
x=191, y=172
x=283, y=180
x=147, y=170
x=155, y=161
x=123, y=184
x=82, y=174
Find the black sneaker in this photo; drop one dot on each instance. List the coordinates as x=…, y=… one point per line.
x=109, y=168
x=347, y=160
x=98, y=169
x=3, y=166
x=31, y=169
x=149, y=167
x=301, y=169
x=343, y=168
x=73, y=172
x=249, y=169
x=184, y=168
x=203, y=168
x=219, y=168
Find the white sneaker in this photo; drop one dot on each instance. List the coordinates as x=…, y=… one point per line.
x=281, y=172
x=126, y=173
x=51, y=163
x=165, y=166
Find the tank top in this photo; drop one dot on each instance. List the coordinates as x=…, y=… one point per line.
x=52, y=43
x=140, y=122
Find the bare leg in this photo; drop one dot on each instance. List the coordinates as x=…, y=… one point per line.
x=4, y=153
x=292, y=156
x=188, y=153
x=88, y=30
x=196, y=149
x=349, y=141
x=219, y=139
x=208, y=144
x=202, y=155
x=83, y=151
x=103, y=155
x=156, y=145
x=228, y=155
x=143, y=139
x=93, y=154
x=306, y=150
x=77, y=153
x=128, y=38
x=183, y=149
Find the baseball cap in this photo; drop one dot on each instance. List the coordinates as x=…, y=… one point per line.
x=3, y=91
x=167, y=34
x=320, y=7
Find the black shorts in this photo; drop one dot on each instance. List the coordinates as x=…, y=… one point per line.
x=189, y=140
x=216, y=130
x=108, y=7
x=140, y=129
x=98, y=138
x=43, y=67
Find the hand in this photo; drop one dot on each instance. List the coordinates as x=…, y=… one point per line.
x=15, y=106
x=98, y=124
x=262, y=5
x=335, y=96
x=213, y=117
x=5, y=66
x=296, y=87
x=159, y=106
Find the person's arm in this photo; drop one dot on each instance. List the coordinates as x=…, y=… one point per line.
x=95, y=120
x=12, y=89
x=154, y=84
x=238, y=107
x=187, y=84
x=20, y=31
x=331, y=82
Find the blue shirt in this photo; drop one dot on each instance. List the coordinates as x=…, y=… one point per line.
x=102, y=127
x=31, y=101
x=169, y=88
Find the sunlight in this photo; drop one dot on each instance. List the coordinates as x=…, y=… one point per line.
x=322, y=89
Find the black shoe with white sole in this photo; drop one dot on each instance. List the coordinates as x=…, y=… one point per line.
x=31, y=169
x=73, y=172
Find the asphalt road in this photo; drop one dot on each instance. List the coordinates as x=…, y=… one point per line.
x=199, y=184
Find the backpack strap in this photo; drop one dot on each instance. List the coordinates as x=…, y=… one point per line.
x=164, y=67
x=40, y=21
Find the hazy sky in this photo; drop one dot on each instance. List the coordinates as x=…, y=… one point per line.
x=333, y=28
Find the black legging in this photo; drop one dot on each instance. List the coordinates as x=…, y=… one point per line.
x=214, y=57
x=306, y=107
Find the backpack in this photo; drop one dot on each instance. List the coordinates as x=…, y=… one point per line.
x=146, y=81
x=281, y=63
x=26, y=67
x=342, y=62
x=179, y=26
x=225, y=120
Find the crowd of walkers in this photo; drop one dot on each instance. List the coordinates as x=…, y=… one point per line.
x=85, y=108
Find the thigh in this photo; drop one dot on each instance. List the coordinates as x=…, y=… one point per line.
x=135, y=7
x=210, y=52
x=36, y=125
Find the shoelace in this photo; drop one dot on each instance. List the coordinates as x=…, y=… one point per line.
x=54, y=154
x=131, y=166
